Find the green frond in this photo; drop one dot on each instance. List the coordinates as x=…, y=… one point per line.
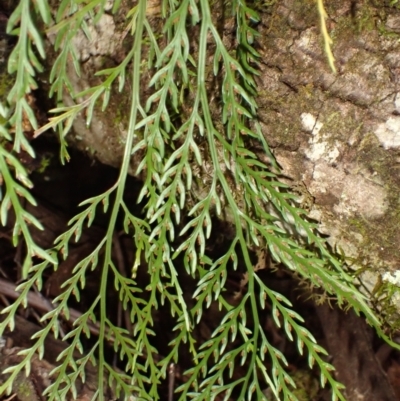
x=193, y=153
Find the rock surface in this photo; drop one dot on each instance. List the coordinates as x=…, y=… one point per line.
x=339, y=134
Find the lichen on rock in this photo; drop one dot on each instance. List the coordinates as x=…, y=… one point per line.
x=339, y=134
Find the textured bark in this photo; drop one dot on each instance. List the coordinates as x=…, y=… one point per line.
x=339, y=135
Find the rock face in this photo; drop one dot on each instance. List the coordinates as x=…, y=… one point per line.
x=336, y=136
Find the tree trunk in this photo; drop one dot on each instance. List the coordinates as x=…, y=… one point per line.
x=338, y=135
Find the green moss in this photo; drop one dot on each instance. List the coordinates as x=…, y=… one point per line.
x=366, y=18
x=306, y=11
x=45, y=162
x=336, y=128
x=6, y=82
x=380, y=235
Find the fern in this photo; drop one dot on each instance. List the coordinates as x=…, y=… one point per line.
x=181, y=202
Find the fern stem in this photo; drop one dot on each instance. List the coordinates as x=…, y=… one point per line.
x=121, y=186
x=210, y=129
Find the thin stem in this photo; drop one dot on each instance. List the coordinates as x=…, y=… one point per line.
x=121, y=185
x=221, y=177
